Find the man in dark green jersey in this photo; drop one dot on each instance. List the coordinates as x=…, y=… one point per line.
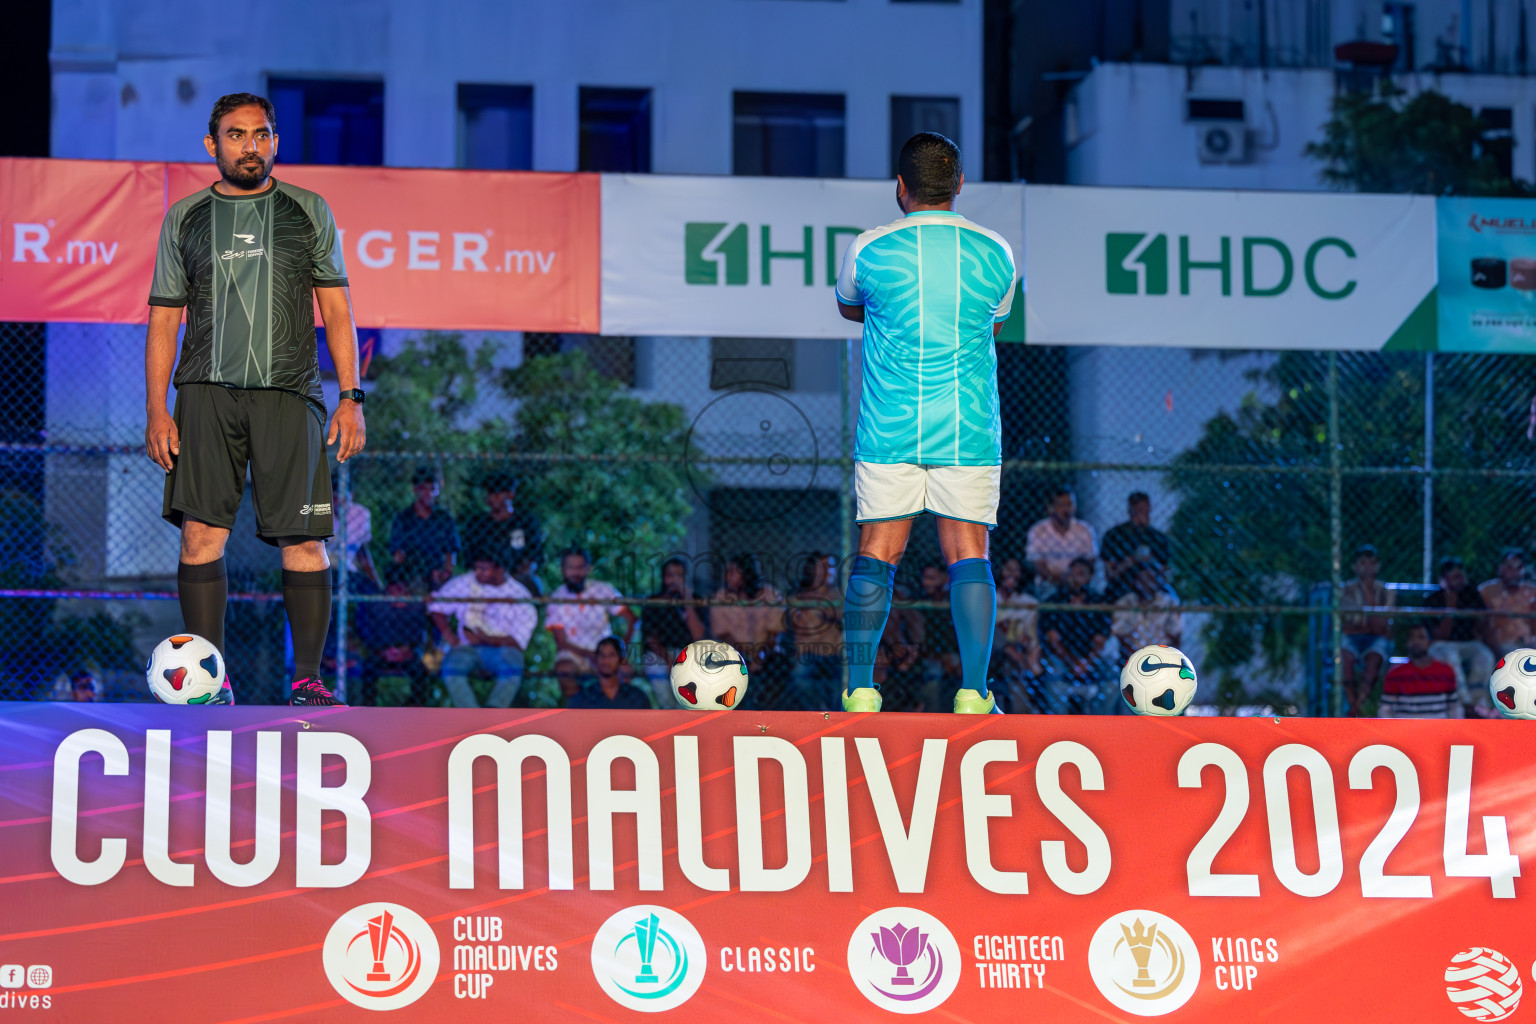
x=247, y=259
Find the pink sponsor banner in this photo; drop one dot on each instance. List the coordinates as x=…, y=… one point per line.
x=254, y=864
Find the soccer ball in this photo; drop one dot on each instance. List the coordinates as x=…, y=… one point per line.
x=709, y=676
x=1158, y=680
x=1513, y=684
x=186, y=669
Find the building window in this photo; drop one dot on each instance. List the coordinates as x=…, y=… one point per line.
x=495, y=127
x=1499, y=137
x=913, y=114
x=1397, y=29
x=615, y=130
x=786, y=134
x=328, y=121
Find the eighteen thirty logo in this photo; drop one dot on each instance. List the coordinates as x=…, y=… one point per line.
x=1483, y=984
x=720, y=252
x=1139, y=264
x=648, y=958
x=1144, y=963
x=904, y=960
x=381, y=956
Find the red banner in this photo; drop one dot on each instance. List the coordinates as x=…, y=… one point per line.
x=453, y=250
x=243, y=864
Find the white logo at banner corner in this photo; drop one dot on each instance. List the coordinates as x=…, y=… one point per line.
x=1483, y=984
x=1144, y=962
x=648, y=958
x=904, y=960
x=381, y=956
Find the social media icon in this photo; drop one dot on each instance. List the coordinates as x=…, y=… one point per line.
x=39, y=976
x=12, y=975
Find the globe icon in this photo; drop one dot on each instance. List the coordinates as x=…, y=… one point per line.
x=39, y=976
x=1483, y=984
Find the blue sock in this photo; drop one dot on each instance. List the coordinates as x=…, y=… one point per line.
x=973, y=603
x=866, y=606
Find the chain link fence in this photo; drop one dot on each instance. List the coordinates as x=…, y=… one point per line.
x=1263, y=474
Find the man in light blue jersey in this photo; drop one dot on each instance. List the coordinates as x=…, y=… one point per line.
x=932, y=290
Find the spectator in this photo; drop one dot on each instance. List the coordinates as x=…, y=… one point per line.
x=1367, y=638
x=609, y=691
x=394, y=635
x=508, y=528
x=667, y=629
x=936, y=637
x=423, y=537
x=359, y=523
x=1132, y=543
x=1150, y=614
x=1059, y=538
x=1454, y=639
x=1082, y=676
x=749, y=615
x=568, y=679
x=900, y=647
x=1510, y=592
x=490, y=637
x=818, y=635
x=1018, y=635
x=577, y=628
x=84, y=687
x=1421, y=687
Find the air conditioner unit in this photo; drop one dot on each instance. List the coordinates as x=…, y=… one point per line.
x=1221, y=142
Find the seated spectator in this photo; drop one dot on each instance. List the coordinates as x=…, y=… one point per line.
x=567, y=679
x=84, y=687
x=936, y=638
x=667, y=629
x=576, y=628
x=394, y=635
x=359, y=523
x=1421, y=687
x=817, y=630
x=1150, y=615
x=1455, y=639
x=609, y=691
x=509, y=528
x=1056, y=540
x=749, y=615
x=1017, y=645
x=1367, y=638
x=490, y=636
x=423, y=537
x=1510, y=592
x=1132, y=543
x=1082, y=676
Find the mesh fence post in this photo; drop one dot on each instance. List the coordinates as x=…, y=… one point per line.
x=1335, y=539
x=343, y=490
x=1429, y=465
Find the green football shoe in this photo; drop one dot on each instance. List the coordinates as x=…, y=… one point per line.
x=863, y=698
x=969, y=702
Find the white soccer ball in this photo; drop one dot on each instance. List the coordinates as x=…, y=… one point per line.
x=709, y=675
x=186, y=669
x=1513, y=684
x=1483, y=984
x=1158, y=680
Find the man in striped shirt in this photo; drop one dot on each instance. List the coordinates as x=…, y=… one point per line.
x=932, y=290
x=1421, y=687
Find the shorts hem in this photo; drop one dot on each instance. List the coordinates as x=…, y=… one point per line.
x=178, y=514
x=961, y=519
x=889, y=519
x=276, y=537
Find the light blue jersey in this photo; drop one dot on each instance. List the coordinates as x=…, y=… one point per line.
x=932, y=285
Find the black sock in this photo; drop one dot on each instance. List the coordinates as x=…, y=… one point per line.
x=307, y=598
x=204, y=590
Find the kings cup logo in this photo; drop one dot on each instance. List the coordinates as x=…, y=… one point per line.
x=904, y=960
x=648, y=958
x=381, y=956
x=1144, y=963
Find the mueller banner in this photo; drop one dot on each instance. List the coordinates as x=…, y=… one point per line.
x=1487, y=252
x=77, y=239
x=245, y=864
x=751, y=257
x=1234, y=270
x=456, y=250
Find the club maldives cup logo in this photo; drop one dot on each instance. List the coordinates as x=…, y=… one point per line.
x=1144, y=963
x=381, y=956
x=904, y=960
x=648, y=958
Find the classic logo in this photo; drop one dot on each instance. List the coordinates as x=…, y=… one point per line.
x=381, y=956
x=719, y=252
x=1137, y=263
x=323, y=509
x=1483, y=984
x=1144, y=963
x=904, y=960
x=648, y=958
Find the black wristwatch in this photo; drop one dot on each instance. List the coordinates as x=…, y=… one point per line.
x=356, y=395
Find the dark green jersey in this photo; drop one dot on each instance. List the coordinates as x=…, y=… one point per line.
x=245, y=267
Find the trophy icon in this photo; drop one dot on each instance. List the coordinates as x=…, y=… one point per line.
x=1140, y=944
x=379, y=930
x=902, y=947
x=645, y=935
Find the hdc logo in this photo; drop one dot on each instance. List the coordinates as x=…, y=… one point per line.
x=720, y=252
x=1137, y=263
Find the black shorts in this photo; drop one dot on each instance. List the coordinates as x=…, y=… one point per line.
x=278, y=434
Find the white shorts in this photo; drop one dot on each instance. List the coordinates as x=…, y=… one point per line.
x=901, y=490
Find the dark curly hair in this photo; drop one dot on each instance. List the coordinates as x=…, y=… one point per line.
x=235, y=100
x=930, y=166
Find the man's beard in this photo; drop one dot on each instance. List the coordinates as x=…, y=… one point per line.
x=576, y=588
x=247, y=172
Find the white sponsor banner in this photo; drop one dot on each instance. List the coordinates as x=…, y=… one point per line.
x=1256, y=270
x=750, y=257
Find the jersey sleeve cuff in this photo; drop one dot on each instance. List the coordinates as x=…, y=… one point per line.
x=847, y=301
x=335, y=282
x=166, y=300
